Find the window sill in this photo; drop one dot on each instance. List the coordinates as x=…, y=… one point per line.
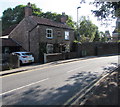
x=49, y=37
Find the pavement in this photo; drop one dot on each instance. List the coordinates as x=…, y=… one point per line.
x=36, y=65
x=105, y=92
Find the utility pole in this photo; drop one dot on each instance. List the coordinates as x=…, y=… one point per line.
x=78, y=36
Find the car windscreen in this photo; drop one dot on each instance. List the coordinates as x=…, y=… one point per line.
x=26, y=53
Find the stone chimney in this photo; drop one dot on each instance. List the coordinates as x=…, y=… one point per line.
x=63, y=18
x=28, y=10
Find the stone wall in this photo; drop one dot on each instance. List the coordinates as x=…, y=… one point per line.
x=58, y=35
x=38, y=36
x=9, y=62
x=96, y=49
x=20, y=33
x=85, y=49
x=59, y=56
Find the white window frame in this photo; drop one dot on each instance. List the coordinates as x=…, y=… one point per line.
x=67, y=36
x=49, y=33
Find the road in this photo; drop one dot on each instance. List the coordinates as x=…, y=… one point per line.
x=54, y=84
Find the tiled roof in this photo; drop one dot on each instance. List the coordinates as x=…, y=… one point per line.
x=8, y=42
x=8, y=30
x=44, y=21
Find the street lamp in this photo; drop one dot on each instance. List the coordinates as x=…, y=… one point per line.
x=77, y=25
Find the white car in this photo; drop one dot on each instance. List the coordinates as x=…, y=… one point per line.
x=24, y=57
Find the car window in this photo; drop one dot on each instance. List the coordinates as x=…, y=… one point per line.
x=17, y=54
x=26, y=53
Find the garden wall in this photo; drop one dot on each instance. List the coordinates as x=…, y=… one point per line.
x=85, y=49
x=96, y=49
x=9, y=62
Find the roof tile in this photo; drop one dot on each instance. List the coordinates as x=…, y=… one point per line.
x=49, y=22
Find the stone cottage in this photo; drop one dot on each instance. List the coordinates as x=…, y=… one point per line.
x=41, y=35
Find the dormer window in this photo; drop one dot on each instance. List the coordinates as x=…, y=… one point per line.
x=49, y=33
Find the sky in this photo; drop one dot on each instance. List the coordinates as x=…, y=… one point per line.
x=59, y=6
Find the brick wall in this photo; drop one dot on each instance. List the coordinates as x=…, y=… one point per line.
x=9, y=62
x=94, y=49
x=86, y=49
x=38, y=35
x=59, y=56
x=21, y=32
x=58, y=35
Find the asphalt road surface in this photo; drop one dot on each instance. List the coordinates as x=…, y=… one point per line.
x=54, y=84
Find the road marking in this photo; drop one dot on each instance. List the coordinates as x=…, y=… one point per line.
x=51, y=66
x=23, y=72
x=24, y=86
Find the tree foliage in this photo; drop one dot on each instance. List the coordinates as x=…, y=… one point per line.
x=97, y=36
x=13, y=16
x=87, y=30
x=105, y=9
x=103, y=37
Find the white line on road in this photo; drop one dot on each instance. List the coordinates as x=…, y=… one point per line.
x=24, y=86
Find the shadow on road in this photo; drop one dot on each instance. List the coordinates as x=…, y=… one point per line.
x=51, y=95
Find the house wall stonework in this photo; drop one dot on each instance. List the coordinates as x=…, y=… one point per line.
x=34, y=39
x=20, y=33
x=38, y=35
x=57, y=38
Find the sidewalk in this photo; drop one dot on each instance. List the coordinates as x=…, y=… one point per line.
x=35, y=66
x=106, y=92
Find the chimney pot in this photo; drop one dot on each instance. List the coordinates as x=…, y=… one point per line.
x=29, y=4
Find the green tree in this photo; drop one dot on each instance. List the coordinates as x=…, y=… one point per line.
x=12, y=16
x=103, y=37
x=15, y=15
x=97, y=36
x=87, y=30
x=70, y=22
x=105, y=8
